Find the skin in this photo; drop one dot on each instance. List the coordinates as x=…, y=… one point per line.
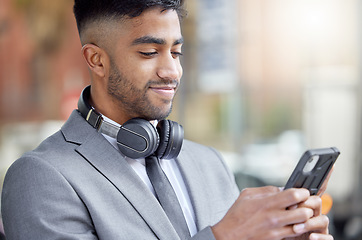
x=262, y=213
x=135, y=69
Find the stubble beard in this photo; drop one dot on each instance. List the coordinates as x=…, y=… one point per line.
x=134, y=100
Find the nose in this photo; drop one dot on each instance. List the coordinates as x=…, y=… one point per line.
x=169, y=68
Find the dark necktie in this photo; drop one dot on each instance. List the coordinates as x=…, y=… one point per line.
x=167, y=196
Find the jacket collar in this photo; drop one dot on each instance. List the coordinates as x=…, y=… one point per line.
x=115, y=169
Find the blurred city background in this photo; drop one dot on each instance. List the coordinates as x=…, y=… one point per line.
x=264, y=80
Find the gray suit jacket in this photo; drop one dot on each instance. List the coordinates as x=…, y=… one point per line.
x=76, y=185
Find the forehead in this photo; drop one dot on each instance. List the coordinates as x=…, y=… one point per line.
x=153, y=22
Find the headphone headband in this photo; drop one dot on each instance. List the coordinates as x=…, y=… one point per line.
x=92, y=116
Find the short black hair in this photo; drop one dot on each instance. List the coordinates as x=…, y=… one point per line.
x=86, y=11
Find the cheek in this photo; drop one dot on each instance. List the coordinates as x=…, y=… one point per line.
x=138, y=72
x=140, y=75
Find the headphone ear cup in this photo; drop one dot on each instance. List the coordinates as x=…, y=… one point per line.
x=171, y=138
x=137, y=138
x=163, y=129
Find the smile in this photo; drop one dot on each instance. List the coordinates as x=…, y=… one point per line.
x=165, y=91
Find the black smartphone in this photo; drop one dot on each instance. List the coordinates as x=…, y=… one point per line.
x=312, y=169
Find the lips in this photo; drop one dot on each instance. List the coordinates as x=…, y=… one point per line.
x=165, y=91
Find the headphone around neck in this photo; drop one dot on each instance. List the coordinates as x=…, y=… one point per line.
x=136, y=138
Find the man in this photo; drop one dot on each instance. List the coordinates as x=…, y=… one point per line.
x=79, y=184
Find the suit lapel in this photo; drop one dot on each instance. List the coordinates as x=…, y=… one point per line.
x=115, y=169
x=196, y=185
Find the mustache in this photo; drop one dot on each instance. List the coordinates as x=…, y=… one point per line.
x=163, y=82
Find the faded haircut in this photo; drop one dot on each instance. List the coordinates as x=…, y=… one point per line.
x=89, y=11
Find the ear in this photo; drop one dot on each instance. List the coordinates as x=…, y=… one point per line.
x=95, y=58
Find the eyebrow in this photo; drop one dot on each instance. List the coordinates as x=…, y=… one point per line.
x=154, y=40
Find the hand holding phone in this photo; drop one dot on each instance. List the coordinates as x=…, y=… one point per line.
x=312, y=169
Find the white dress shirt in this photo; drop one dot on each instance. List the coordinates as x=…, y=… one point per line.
x=173, y=174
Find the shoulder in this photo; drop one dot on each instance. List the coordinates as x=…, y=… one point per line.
x=35, y=190
x=44, y=163
x=34, y=168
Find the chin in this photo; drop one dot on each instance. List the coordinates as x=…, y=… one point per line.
x=159, y=114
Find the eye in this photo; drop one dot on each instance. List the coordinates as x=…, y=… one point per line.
x=176, y=54
x=148, y=54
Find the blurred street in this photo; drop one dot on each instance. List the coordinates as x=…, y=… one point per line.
x=264, y=80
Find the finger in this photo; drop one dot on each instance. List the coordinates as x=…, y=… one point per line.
x=292, y=207
x=288, y=198
x=315, y=203
x=282, y=218
x=316, y=224
x=285, y=232
x=317, y=236
x=259, y=192
x=296, y=216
